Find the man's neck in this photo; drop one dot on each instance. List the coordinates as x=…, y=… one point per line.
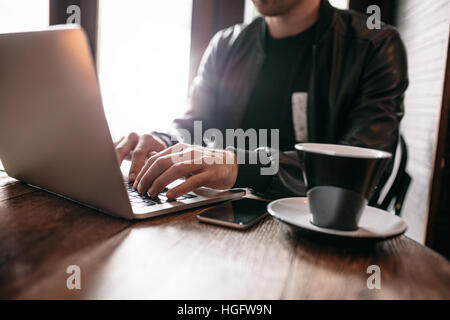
x=295, y=21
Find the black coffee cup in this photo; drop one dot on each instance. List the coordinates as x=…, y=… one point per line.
x=340, y=180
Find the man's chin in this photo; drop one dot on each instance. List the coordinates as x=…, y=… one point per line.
x=270, y=8
x=271, y=12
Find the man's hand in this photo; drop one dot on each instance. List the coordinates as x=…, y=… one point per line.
x=202, y=167
x=140, y=147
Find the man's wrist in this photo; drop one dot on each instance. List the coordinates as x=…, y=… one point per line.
x=249, y=174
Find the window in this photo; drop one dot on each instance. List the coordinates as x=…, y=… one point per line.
x=21, y=15
x=340, y=4
x=250, y=12
x=143, y=61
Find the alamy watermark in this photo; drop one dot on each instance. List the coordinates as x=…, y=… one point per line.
x=74, y=280
x=374, y=20
x=374, y=280
x=261, y=150
x=74, y=12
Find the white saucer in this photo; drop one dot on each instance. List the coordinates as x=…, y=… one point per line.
x=375, y=224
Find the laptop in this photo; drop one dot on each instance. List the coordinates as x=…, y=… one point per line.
x=53, y=130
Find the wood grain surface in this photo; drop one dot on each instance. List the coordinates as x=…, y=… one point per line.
x=176, y=257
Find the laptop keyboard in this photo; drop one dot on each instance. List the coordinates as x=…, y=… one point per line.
x=141, y=200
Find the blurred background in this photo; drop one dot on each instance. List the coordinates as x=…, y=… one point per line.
x=147, y=52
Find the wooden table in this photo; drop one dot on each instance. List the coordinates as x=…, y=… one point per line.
x=177, y=257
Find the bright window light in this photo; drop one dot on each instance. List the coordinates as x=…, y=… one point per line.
x=143, y=62
x=23, y=15
x=340, y=4
x=250, y=12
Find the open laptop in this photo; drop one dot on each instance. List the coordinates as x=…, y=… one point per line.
x=53, y=130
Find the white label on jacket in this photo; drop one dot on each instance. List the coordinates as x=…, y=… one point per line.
x=299, y=103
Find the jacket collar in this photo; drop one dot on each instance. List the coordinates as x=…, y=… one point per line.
x=327, y=18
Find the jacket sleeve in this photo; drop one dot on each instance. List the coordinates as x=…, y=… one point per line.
x=374, y=119
x=286, y=182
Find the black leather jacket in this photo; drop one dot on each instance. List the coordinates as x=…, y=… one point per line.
x=355, y=94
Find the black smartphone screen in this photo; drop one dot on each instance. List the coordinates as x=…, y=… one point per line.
x=239, y=212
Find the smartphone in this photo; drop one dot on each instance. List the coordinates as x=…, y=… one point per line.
x=238, y=214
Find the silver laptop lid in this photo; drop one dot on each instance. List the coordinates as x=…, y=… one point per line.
x=53, y=130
